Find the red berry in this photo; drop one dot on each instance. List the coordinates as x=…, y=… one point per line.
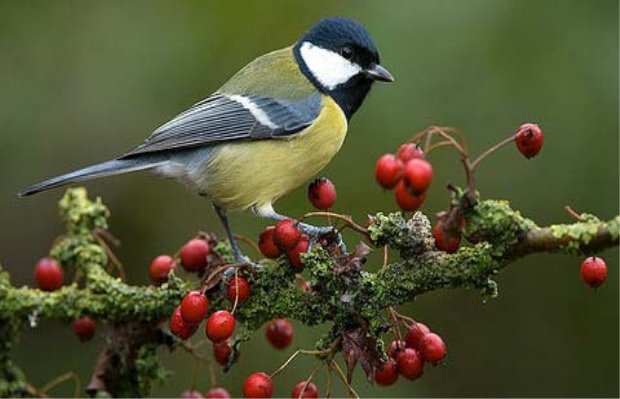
x=220, y=326
x=388, y=171
x=84, y=328
x=306, y=286
x=418, y=175
x=218, y=393
x=322, y=193
x=191, y=394
x=238, y=286
x=294, y=254
x=194, y=255
x=258, y=385
x=387, y=374
x=48, y=274
x=286, y=235
x=280, y=333
x=310, y=392
x=407, y=201
x=410, y=364
x=409, y=151
x=432, y=348
x=160, y=267
x=415, y=334
x=221, y=352
x=179, y=327
x=266, y=244
x=443, y=242
x=594, y=271
x=529, y=139
x=194, y=307
x=396, y=347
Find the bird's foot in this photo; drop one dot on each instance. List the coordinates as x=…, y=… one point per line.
x=240, y=260
x=317, y=233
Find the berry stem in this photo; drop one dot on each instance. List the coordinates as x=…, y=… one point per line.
x=69, y=375
x=491, y=150
x=113, y=259
x=343, y=378
x=297, y=353
x=348, y=220
x=386, y=255
x=442, y=132
x=396, y=324
x=236, y=291
x=309, y=379
x=248, y=241
x=206, y=282
x=192, y=381
x=445, y=143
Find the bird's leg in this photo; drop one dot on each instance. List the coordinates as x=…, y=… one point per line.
x=314, y=232
x=221, y=213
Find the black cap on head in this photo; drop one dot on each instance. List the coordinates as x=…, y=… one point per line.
x=341, y=35
x=340, y=58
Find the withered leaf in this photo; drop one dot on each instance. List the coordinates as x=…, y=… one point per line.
x=359, y=347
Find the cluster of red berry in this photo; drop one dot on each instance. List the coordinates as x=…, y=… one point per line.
x=194, y=257
x=194, y=308
x=407, y=357
x=286, y=238
x=408, y=172
x=279, y=333
x=411, y=174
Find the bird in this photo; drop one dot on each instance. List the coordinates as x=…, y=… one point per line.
x=269, y=129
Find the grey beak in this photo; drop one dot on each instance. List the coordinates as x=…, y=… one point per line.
x=377, y=72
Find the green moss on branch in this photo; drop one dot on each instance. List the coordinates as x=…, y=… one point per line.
x=342, y=291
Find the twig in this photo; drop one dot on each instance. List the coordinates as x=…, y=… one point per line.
x=69, y=375
x=346, y=219
x=343, y=378
x=113, y=259
x=192, y=382
x=396, y=324
x=573, y=213
x=386, y=254
x=294, y=355
x=236, y=281
x=205, y=283
x=440, y=144
x=249, y=242
x=490, y=151
x=105, y=234
x=328, y=388
x=309, y=380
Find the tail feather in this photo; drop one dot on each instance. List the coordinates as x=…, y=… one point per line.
x=109, y=168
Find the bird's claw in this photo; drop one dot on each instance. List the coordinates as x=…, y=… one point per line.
x=316, y=232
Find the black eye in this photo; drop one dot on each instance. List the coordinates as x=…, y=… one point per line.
x=346, y=52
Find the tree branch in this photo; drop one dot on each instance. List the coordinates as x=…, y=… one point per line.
x=342, y=291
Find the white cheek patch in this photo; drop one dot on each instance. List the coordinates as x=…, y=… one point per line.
x=328, y=67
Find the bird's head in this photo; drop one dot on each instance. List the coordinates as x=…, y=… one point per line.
x=340, y=58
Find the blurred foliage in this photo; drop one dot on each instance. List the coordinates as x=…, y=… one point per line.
x=81, y=82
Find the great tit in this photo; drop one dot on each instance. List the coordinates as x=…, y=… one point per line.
x=273, y=126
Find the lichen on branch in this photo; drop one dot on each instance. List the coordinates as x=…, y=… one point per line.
x=343, y=291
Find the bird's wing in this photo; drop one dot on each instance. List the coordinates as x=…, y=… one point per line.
x=224, y=118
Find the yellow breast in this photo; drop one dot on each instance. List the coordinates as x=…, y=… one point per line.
x=245, y=174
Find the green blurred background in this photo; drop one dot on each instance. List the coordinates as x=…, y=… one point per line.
x=81, y=82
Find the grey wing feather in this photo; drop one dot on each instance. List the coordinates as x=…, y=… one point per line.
x=224, y=118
